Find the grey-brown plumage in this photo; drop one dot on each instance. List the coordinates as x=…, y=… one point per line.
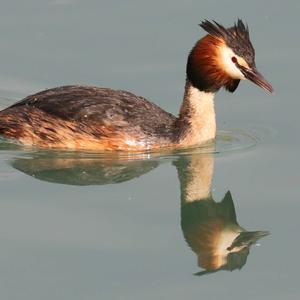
x=90, y=111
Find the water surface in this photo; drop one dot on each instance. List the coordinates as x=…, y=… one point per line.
x=98, y=226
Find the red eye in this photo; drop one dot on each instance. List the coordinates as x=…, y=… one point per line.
x=233, y=59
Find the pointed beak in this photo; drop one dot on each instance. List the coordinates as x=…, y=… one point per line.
x=254, y=76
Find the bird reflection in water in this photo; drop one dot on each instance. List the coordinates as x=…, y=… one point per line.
x=77, y=169
x=210, y=228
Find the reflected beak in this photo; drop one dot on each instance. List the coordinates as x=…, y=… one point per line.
x=254, y=76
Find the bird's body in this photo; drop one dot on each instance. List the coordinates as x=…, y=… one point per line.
x=84, y=117
x=93, y=118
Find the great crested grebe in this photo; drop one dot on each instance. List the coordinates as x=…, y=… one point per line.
x=93, y=118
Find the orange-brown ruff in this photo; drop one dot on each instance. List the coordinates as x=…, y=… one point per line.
x=206, y=57
x=93, y=118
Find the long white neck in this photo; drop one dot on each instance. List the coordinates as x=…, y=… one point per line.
x=197, y=120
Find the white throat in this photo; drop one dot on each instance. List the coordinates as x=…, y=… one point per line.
x=198, y=116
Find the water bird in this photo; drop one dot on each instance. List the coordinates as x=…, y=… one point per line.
x=93, y=118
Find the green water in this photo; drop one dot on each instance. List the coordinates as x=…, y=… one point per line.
x=116, y=226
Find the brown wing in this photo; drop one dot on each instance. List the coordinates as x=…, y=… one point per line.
x=81, y=102
x=99, y=112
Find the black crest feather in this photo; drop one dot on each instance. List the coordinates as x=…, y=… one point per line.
x=239, y=30
x=236, y=37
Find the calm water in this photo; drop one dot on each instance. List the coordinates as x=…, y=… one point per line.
x=99, y=226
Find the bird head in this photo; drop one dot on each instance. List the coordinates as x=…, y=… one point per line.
x=223, y=58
